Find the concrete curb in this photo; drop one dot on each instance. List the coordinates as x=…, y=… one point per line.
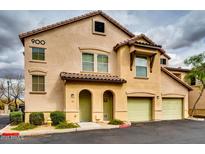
x=56, y=131
x=196, y=119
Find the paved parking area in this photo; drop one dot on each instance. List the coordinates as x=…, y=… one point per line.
x=4, y=120
x=173, y=132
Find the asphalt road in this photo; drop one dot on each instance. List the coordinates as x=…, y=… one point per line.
x=4, y=120
x=172, y=132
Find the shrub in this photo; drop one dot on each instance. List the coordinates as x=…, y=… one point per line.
x=116, y=122
x=57, y=117
x=16, y=118
x=1, y=106
x=64, y=125
x=36, y=118
x=24, y=126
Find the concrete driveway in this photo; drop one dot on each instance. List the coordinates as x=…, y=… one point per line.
x=4, y=120
x=176, y=132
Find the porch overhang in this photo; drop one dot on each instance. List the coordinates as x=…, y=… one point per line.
x=137, y=50
x=85, y=77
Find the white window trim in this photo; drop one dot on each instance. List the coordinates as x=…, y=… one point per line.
x=95, y=63
x=93, y=27
x=148, y=68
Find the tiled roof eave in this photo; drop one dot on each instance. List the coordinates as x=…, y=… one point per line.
x=91, y=78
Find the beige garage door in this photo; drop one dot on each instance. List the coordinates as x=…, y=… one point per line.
x=139, y=109
x=172, y=108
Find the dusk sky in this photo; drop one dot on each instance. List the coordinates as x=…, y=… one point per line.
x=181, y=33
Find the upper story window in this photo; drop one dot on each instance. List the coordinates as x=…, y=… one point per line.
x=99, y=27
x=163, y=61
x=102, y=61
x=92, y=62
x=88, y=62
x=38, y=53
x=141, y=67
x=38, y=83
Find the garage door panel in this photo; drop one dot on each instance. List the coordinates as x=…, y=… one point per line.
x=139, y=109
x=172, y=108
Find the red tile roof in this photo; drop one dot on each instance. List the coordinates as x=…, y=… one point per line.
x=150, y=43
x=91, y=77
x=72, y=20
x=177, y=69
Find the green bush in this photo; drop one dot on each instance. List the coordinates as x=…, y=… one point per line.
x=57, y=117
x=36, y=118
x=24, y=126
x=116, y=122
x=16, y=118
x=64, y=125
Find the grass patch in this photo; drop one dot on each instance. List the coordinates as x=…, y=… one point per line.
x=65, y=125
x=116, y=122
x=24, y=126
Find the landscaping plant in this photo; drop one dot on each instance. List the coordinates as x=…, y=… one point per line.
x=64, y=125
x=16, y=118
x=24, y=126
x=36, y=118
x=197, y=72
x=116, y=122
x=57, y=117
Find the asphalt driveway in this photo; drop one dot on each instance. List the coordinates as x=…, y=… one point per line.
x=4, y=120
x=173, y=132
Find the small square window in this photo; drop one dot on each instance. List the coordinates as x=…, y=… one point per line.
x=38, y=54
x=99, y=27
x=163, y=61
x=38, y=83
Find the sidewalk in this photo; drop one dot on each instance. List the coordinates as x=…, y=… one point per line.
x=42, y=130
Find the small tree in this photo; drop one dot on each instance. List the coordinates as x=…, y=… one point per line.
x=197, y=62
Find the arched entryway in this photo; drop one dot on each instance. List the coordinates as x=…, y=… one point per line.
x=107, y=106
x=85, y=106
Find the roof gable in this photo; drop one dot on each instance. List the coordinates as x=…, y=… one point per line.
x=176, y=78
x=72, y=20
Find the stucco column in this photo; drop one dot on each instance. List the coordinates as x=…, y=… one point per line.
x=97, y=105
x=157, y=108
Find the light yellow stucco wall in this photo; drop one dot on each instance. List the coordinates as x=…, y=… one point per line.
x=97, y=90
x=64, y=46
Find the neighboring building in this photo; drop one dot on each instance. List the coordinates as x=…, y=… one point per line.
x=194, y=94
x=94, y=69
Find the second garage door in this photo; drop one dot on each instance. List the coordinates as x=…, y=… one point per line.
x=172, y=108
x=139, y=109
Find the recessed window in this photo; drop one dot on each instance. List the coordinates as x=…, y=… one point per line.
x=38, y=54
x=38, y=83
x=88, y=62
x=141, y=66
x=99, y=27
x=163, y=61
x=102, y=61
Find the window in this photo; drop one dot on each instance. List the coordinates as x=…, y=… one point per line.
x=88, y=62
x=102, y=61
x=141, y=66
x=163, y=61
x=38, y=83
x=193, y=81
x=38, y=54
x=99, y=27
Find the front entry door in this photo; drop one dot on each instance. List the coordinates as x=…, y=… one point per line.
x=107, y=106
x=85, y=106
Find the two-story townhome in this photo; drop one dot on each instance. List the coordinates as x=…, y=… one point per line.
x=94, y=69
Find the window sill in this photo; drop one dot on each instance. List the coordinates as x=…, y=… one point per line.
x=99, y=33
x=145, y=78
x=38, y=92
x=38, y=61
